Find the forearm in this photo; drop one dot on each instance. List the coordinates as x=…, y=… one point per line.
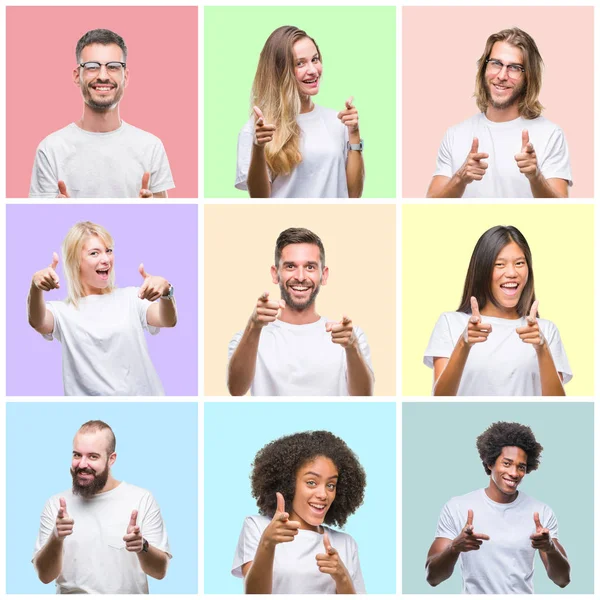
x=345, y=585
x=167, y=312
x=558, y=567
x=540, y=188
x=36, y=307
x=454, y=188
x=448, y=382
x=258, y=183
x=259, y=579
x=242, y=364
x=360, y=378
x=154, y=562
x=549, y=377
x=355, y=169
x=48, y=561
x=440, y=567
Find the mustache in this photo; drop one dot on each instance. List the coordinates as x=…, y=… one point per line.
x=305, y=283
x=86, y=471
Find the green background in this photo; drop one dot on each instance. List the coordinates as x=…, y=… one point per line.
x=440, y=461
x=358, y=45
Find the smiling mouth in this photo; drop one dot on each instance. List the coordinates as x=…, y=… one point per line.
x=510, y=289
x=318, y=508
x=311, y=81
x=501, y=88
x=103, y=273
x=510, y=483
x=103, y=88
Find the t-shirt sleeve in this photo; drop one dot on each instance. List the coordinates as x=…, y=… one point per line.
x=559, y=356
x=152, y=525
x=556, y=162
x=443, y=164
x=47, y=523
x=244, y=153
x=142, y=308
x=161, y=178
x=440, y=342
x=233, y=344
x=549, y=521
x=56, y=332
x=246, y=547
x=446, y=527
x=44, y=181
x=363, y=344
x=356, y=572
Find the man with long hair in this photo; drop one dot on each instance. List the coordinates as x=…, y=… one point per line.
x=103, y=536
x=101, y=156
x=508, y=150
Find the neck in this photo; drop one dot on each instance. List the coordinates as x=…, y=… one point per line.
x=92, y=291
x=491, y=310
x=99, y=121
x=502, y=115
x=111, y=484
x=493, y=493
x=299, y=317
x=306, y=104
x=303, y=523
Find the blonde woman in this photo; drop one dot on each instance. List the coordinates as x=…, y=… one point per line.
x=291, y=147
x=101, y=327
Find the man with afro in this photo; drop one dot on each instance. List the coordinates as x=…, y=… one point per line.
x=494, y=532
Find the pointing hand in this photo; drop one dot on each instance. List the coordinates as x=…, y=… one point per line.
x=266, y=311
x=263, y=133
x=476, y=331
x=134, y=542
x=47, y=279
x=531, y=333
x=473, y=169
x=153, y=287
x=342, y=333
x=62, y=190
x=349, y=116
x=64, y=523
x=541, y=540
x=467, y=540
x=280, y=529
x=527, y=159
x=330, y=562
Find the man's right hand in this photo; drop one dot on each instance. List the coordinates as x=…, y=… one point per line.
x=62, y=190
x=280, y=529
x=266, y=312
x=467, y=540
x=476, y=331
x=47, y=279
x=473, y=168
x=64, y=523
x=263, y=133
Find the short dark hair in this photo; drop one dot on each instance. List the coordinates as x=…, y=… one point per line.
x=478, y=281
x=298, y=235
x=91, y=426
x=276, y=465
x=100, y=36
x=502, y=434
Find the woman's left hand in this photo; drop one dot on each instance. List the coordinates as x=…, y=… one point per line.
x=349, y=117
x=531, y=333
x=153, y=287
x=332, y=564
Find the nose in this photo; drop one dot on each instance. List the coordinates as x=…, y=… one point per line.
x=300, y=273
x=511, y=271
x=321, y=492
x=503, y=72
x=82, y=463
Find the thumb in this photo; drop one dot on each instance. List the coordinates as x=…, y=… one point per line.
x=469, y=524
x=280, y=502
x=62, y=188
x=260, y=119
x=524, y=139
x=346, y=320
x=536, y=520
x=142, y=271
x=133, y=518
x=533, y=312
x=329, y=326
x=475, y=310
x=264, y=297
x=146, y=181
x=282, y=304
x=54, y=260
x=349, y=102
x=327, y=543
x=62, y=511
x=475, y=146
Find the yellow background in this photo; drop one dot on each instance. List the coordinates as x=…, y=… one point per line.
x=360, y=251
x=437, y=243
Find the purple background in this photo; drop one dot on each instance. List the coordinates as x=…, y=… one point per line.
x=164, y=238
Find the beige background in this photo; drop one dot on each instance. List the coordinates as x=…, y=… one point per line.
x=360, y=251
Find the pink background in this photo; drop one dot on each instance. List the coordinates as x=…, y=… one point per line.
x=162, y=95
x=440, y=48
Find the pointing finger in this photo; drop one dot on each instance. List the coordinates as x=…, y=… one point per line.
x=146, y=181
x=264, y=297
x=62, y=189
x=475, y=309
x=327, y=543
x=346, y=320
x=260, y=119
x=349, y=102
x=133, y=518
x=143, y=271
x=536, y=520
x=524, y=138
x=62, y=511
x=54, y=260
x=533, y=311
x=280, y=502
x=475, y=146
x=469, y=524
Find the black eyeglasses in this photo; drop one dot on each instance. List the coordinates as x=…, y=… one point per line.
x=495, y=66
x=111, y=67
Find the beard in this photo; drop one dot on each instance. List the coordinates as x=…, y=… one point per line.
x=101, y=104
x=518, y=92
x=289, y=300
x=94, y=486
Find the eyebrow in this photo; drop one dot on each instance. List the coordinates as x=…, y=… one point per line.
x=505, y=259
x=512, y=63
x=309, y=262
x=510, y=460
x=319, y=475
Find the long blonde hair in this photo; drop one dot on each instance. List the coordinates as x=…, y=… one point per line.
x=529, y=105
x=71, y=251
x=275, y=92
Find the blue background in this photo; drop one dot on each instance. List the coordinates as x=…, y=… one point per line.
x=440, y=461
x=157, y=449
x=233, y=434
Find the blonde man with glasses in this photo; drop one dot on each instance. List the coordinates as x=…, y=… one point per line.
x=508, y=150
x=101, y=156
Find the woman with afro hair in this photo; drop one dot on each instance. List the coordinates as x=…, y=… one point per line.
x=494, y=532
x=303, y=483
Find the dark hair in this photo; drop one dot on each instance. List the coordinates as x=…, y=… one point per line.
x=276, y=465
x=298, y=235
x=91, y=426
x=479, y=275
x=100, y=36
x=502, y=434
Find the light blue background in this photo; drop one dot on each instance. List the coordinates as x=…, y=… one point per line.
x=440, y=461
x=233, y=434
x=157, y=449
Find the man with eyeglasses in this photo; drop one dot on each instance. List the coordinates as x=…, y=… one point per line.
x=508, y=150
x=101, y=156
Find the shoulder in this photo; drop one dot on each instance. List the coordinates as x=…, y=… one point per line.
x=248, y=127
x=258, y=522
x=547, y=326
x=58, y=138
x=470, y=498
x=453, y=317
x=465, y=126
x=140, y=136
x=327, y=113
x=340, y=538
x=134, y=491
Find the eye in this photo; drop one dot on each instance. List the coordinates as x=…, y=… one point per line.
x=311, y=483
x=315, y=59
x=94, y=253
x=109, y=251
x=506, y=464
x=499, y=265
x=331, y=486
x=522, y=468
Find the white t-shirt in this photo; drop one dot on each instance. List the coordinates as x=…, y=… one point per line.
x=502, y=141
x=501, y=366
x=95, y=560
x=104, y=351
x=301, y=360
x=322, y=172
x=295, y=569
x=504, y=563
x=99, y=165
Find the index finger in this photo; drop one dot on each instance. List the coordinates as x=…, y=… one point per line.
x=524, y=138
x=470, y=518
x=260, y=119
x=475, y=146
x=54, y=260
x=475, y=308
x=133, y=518
x=536, y=520
x=533, y=311
x=146, y=181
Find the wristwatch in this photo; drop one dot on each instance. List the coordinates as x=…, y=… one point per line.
x=145, y=545
x=169, y=295
x=357, y=147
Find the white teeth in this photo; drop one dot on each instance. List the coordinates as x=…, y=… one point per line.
x=510, y=285
x=317, y=506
